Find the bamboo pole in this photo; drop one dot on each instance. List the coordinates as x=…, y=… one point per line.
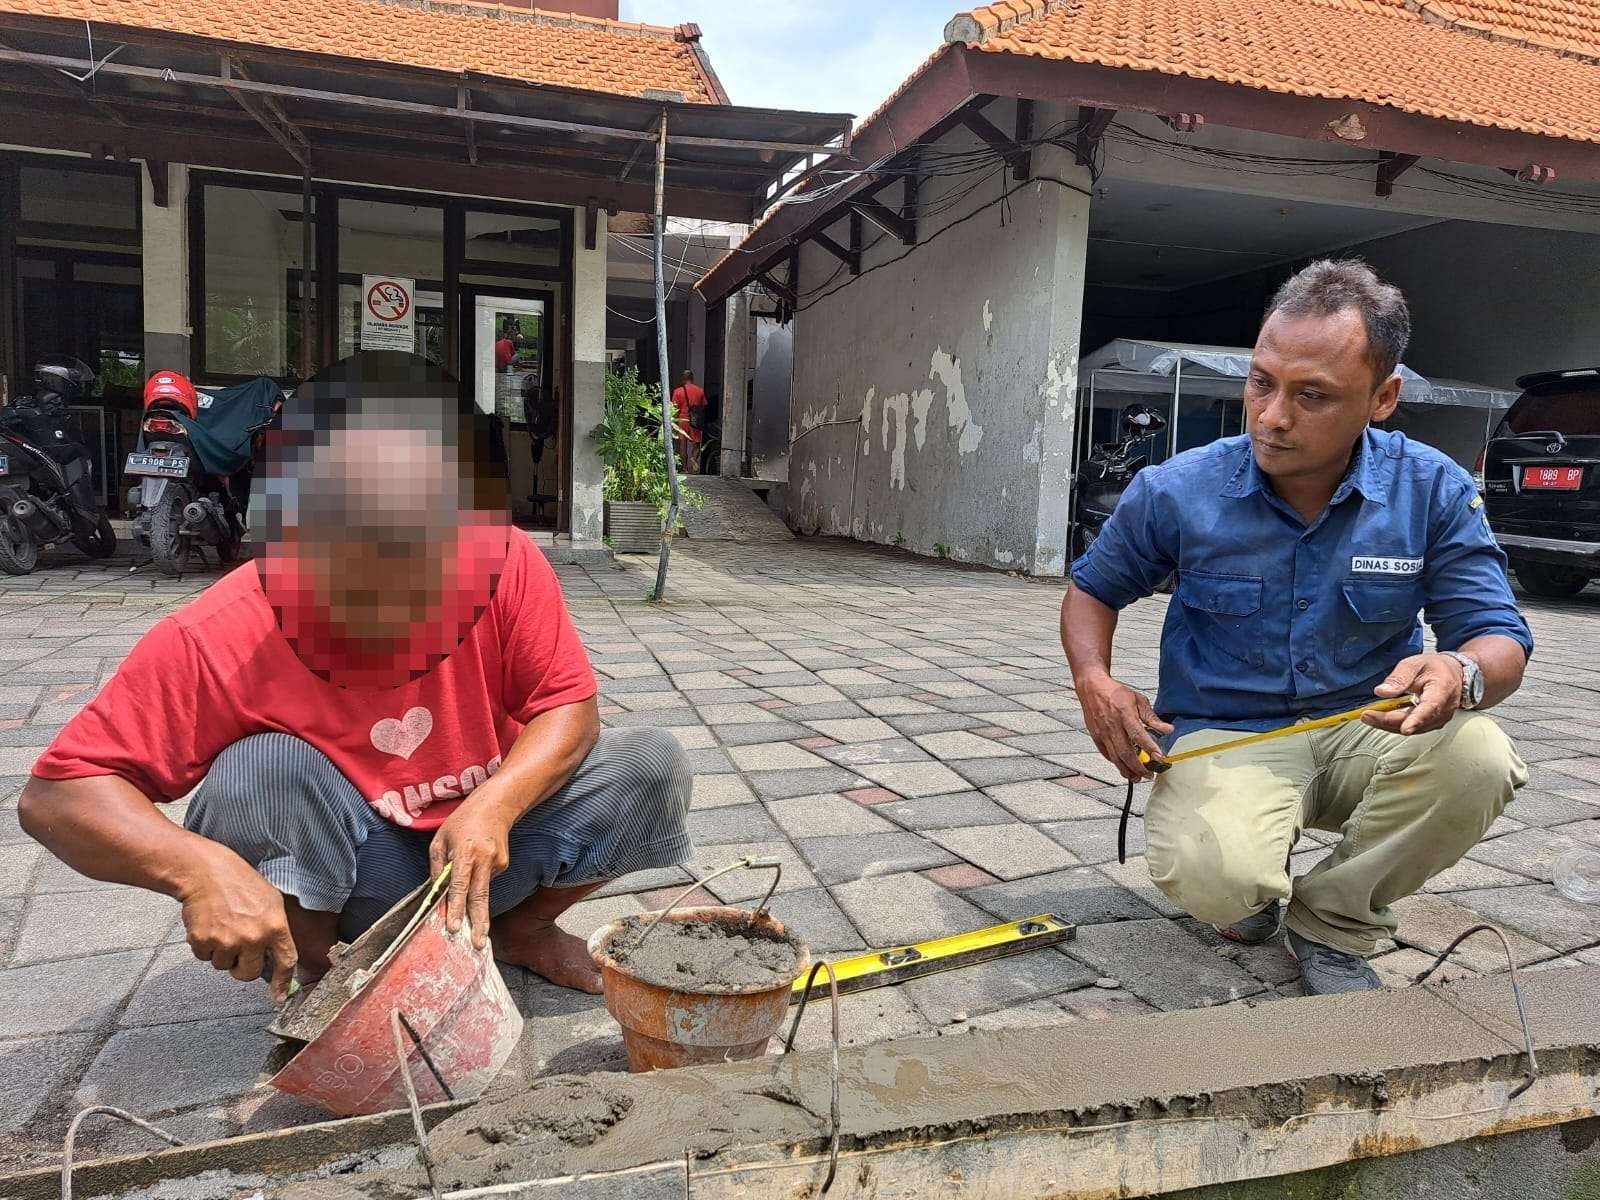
x=667, y=411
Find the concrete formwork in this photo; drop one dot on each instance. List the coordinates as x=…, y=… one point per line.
x=932, y=404
x=1214, y=1098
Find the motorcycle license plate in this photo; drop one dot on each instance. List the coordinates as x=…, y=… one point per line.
x=155, y=464
x=5, y=465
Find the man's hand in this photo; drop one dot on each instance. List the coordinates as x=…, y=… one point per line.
x=235, y=920
x=1435, y=679
x=474, y=838
x=1122, y=722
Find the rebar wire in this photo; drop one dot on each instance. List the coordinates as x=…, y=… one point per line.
x=1532, y=1073
x=788, y=1045
x=421, y=1133
x=753, y=864
x=107, y=1110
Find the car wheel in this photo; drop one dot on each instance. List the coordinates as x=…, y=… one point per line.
x=1543, y=579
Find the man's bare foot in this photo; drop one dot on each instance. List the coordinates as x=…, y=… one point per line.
x=551, y=952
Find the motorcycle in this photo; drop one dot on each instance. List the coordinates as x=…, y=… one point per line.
x=194, y=460
x=1106, y=473
x=47, y=492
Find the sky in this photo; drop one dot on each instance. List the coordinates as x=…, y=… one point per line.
x=817, y=55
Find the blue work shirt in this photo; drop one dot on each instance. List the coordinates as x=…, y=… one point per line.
x=1274, y=619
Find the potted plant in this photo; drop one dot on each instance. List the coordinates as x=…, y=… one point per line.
x=637, y=491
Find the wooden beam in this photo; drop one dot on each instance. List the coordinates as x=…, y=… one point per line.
x=781, y=291
x=464, y=102
x=1093, y=123
x=887, y=220
x=849, y=258
x=912, y=200
x=857, y=241
x=1022, y=165
x=1391, y=168
x=157, y=169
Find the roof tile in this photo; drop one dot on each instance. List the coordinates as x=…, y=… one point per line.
x=1481, y=62
x=453, y=35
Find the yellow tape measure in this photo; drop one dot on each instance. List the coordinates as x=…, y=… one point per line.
x=1355, y=714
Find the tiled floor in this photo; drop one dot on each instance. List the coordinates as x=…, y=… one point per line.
x=901, y=733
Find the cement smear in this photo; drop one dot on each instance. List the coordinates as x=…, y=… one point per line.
x=705, y=956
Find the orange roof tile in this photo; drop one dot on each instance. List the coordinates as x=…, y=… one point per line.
x=1481, y=62
x=458, y=35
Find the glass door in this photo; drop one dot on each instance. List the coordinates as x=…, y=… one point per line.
x=511, y=341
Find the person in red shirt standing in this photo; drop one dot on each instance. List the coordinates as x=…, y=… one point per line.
x=505, y=350
x=394, y=685
x=689, y=398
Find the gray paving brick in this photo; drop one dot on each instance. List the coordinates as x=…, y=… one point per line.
x=643, y=881
x=1467, y=875
x=913, y=779
x=736, y=887
x=1544, y=809
x=17, y=863
x=1529, y=852
x=990, y=772
x=1538, y=912
x=199, y=1062
x=775, y=756
x=1080, y=895
x=719, y=791
x=780, y=785
x=78, y=923
x=853, y=754
x=973, y=991
x=946, y=812
x=76, y=994
x=864, y=1018
x=961, y=744
x=1044, y=800
x=179, y=987
x=1095, y=841
x=1135, y=876
x=938, y=721
x=31, y=1070
x=1102, y=1004
x=859, y=856
x=1163, y=965
x=827, y=815
x=812, y=915
x=759, y=732
x=1431, y=923
x=894, y=910
x=737, y=823
x=1005, y=851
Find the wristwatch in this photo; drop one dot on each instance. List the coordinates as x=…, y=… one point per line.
x=1471, y=680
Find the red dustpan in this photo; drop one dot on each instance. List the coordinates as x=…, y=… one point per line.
x=461, y=1023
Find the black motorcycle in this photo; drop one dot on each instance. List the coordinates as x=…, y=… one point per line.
x=47, y=490
x=194, y=471
x=1106, y=473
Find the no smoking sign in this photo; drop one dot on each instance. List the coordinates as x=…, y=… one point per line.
x=388, y=316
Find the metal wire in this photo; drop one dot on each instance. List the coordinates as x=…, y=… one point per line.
x=750, y=863
x=1532, y=1072
x=395, y=1027
x=788, y=1045
x=107, y=1110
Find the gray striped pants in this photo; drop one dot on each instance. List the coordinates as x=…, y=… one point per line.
x=282, y=806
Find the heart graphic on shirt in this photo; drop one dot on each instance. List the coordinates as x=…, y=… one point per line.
x=401, y=736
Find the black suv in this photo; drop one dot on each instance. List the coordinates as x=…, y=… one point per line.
x=1541, y=482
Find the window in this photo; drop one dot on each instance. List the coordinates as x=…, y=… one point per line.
x=513, y=238
x=400, y=240
x=253, y=281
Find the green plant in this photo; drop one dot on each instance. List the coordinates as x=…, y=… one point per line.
x=941, y=550
x=630, y=444
x=899, y=539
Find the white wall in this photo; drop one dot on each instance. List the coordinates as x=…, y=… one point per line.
x=588, y=380
x=933, y=395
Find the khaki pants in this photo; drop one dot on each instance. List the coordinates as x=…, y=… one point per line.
x=1219, y=829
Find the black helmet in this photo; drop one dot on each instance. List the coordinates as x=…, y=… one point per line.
x=64, y=376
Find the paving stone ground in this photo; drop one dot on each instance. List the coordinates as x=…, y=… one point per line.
x=901, y=733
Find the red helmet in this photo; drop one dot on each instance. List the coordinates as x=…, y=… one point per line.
x=168, y=389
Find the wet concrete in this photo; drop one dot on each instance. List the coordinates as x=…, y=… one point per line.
x=704, y=956
x=1179, y=1099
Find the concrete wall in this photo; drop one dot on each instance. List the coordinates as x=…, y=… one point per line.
x=588, y=381
x=168, y=329
x=735, y=372
x=772, y=387
x=933, y=394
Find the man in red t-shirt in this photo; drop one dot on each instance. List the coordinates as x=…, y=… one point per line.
x=395, y=684
x=505, y=350
x=686, y=398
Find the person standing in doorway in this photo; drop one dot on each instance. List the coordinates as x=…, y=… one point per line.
x=689, y=399
x=505, y=350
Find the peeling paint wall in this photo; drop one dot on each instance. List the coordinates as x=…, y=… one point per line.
x=932, y=401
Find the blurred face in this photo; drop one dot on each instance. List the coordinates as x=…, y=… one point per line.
x=377, y=556
x=1311, y=394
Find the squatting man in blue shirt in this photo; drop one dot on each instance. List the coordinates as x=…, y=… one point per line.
x=1304, y=551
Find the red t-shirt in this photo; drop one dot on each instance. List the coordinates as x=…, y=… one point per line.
x=504, y=352
x=685, y=397
x=415, y=733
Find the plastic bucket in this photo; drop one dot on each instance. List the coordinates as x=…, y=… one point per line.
x=449, y=993
x=663, y=1028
